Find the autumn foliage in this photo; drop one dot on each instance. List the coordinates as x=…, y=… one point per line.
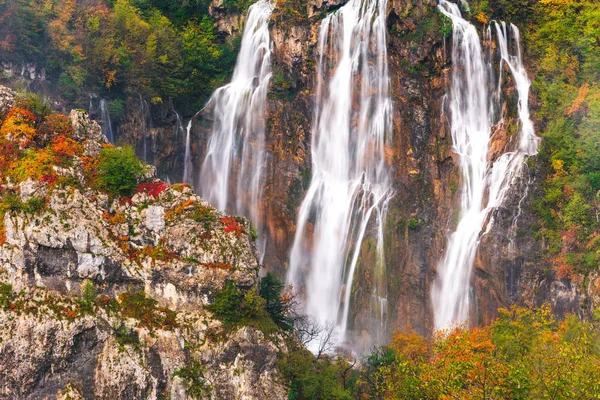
x=524, y=354
x=231, y=225
x=154, y=189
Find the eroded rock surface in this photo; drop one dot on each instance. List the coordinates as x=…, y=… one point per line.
x=162, y=255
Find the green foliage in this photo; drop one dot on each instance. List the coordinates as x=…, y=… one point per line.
x=88, y=297
x=562, y=40
x=7, y=296
x=196, y=386
x=12, y=202
x=125, y=337
x=227, y=304
x=310, y=378
x=236, y=308
x=413, y=224
x=270, y=290
x=118, y=170
x=160, y=48
x=116, y=108
x=35, y=103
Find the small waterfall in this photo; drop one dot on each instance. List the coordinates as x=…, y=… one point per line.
x=187, y=159
x=107, y=128
x=179, y=126
x=91, y=109
x=231, y=176
x=484, y=185
x=146, y=126
x=347, y=199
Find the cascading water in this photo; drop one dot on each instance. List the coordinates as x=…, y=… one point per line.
x=187, y=159
x=350, y=188
x=106, y=122
x=146, y=124
x=484, y=186
x=232, y=172
x=179, y=124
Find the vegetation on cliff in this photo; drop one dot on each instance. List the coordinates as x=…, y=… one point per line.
x=159, y=49
x=163, y=287
x=562, y=39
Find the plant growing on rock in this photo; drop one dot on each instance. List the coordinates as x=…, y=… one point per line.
x=118, y=169
x=195, y=382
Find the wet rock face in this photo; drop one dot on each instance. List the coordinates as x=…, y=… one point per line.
x=425, y=171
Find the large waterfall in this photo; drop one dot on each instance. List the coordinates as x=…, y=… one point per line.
x=232, y=172
x=348, y=195
x=484, y=184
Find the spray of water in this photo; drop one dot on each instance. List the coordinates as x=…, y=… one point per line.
x=350, y=188
x=484, y=185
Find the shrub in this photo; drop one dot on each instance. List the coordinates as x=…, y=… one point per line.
x=270, y=290
x=20, y=125
x=35, y=164
x=118, y=170
x=227, y=305
x=195, y=384
x=146, y=310
x=154, y=189
x=36, y=104
x=236, y=308
x=88, y=297
x=57, y=124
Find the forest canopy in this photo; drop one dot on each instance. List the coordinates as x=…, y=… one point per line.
x=159, y=49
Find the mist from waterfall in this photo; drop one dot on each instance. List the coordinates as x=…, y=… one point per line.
x=231, y=176
x=484, y=184
x=347, y=200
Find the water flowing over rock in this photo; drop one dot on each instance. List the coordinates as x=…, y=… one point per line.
x=107, y=127
x=485, y=182
x=231, y=176
x=187, y=157
x=347, y=199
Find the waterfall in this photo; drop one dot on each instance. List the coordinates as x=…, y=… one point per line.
x=484, y=185
x=91, y=108
x=107, y=129
x=347, y=199
x=231, y=176
x=187, y=159
x=146, y=123
x=179, y=124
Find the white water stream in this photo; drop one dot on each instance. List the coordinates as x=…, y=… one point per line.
x=347, y=199
x=484, y=184
x=107, y=128
x=232, y=172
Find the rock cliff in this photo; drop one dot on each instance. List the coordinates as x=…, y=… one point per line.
x=107, y=297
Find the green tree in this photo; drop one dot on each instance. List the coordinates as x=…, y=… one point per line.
x=118, y=170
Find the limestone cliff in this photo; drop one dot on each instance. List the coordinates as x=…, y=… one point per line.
x=104, y=297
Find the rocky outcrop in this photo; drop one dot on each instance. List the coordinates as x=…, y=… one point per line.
x=107, y=298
